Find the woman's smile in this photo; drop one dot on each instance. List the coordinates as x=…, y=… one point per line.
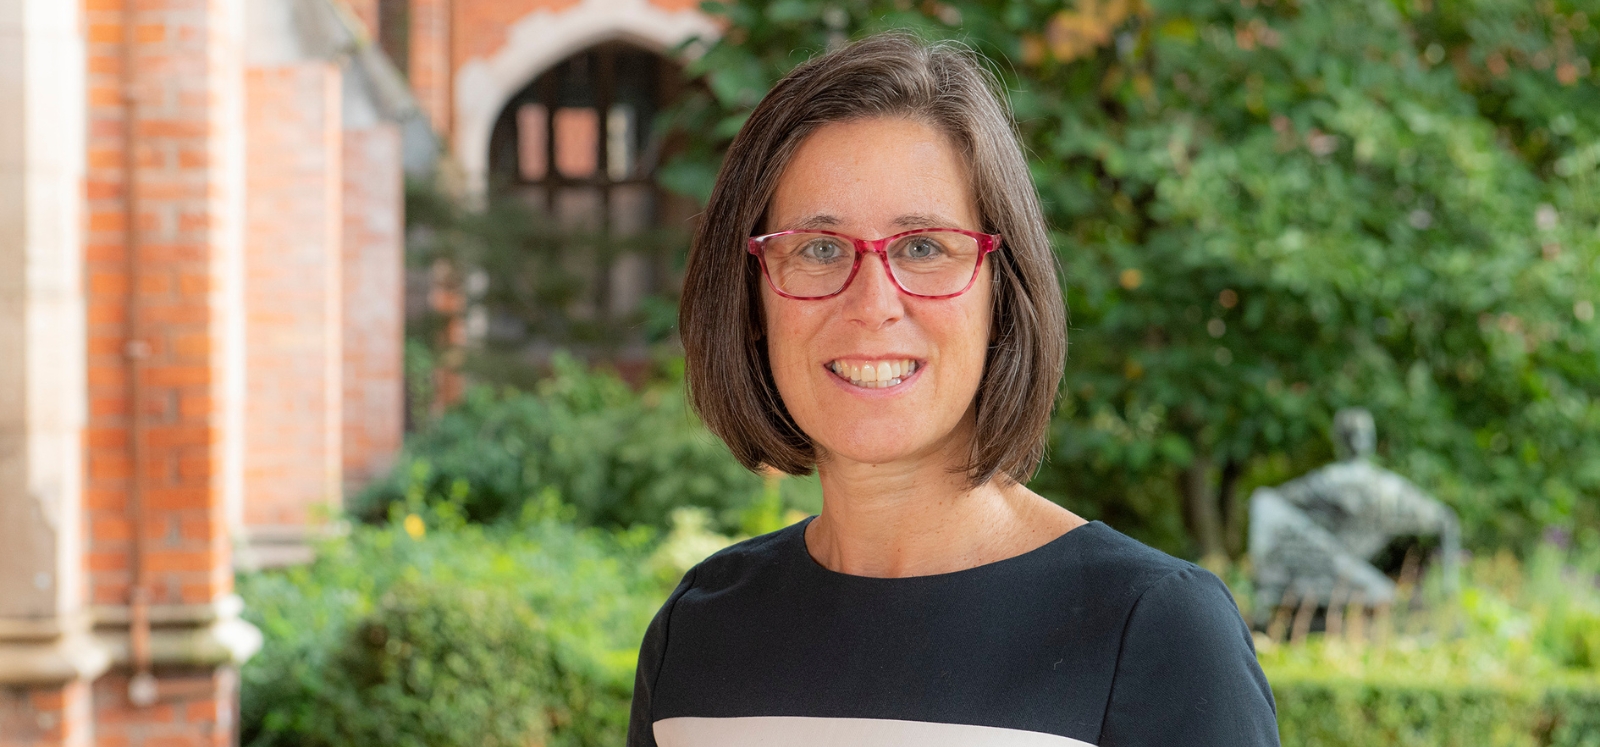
x=875, y=373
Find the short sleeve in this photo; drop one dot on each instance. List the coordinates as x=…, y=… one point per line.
x=654, y=648
x=1187, y=671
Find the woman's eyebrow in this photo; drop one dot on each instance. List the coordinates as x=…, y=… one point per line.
x=920, y=220
x=908, y=221
x=817, y=220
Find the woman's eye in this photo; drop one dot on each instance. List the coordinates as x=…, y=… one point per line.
x=822, y=251
x=923, y=249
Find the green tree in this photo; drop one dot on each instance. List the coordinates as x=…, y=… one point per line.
x=1270, y=210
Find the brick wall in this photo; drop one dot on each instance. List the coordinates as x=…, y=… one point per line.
x=481, y=25
x=45, y=716
x=374, y=313
x=429, y=58
x=182, y=235
x=195, y=708
x=166, y=283
x=175, y=307
x=292, y=281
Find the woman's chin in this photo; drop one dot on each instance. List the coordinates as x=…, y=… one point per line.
x=851, y=449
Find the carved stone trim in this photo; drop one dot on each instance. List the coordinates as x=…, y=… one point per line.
x=49, y=652
x=183, y=634
x=112, y=615
x=37, y=629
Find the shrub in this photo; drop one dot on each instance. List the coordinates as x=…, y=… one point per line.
x=619, y=457
x=1329, y=712
x=516, y=634
x=435, y=664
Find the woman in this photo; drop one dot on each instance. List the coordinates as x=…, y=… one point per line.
x=871, y=294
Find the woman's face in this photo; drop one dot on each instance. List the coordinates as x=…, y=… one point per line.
x=869, y=179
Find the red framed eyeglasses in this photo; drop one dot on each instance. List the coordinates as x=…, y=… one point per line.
x=929, y=263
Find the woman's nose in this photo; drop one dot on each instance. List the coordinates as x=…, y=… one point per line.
x=872, y=297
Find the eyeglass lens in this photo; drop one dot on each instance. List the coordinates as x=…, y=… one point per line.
x=809, y=265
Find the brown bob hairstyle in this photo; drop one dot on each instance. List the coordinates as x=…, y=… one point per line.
x=944, y=85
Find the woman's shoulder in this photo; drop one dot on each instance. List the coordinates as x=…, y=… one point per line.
x=1119, y=565
x=739, y=562
x=1184, y=647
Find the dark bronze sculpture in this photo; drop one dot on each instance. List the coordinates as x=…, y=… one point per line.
x=1313, y=539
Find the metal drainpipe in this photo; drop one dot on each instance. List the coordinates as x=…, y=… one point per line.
x=142, y=689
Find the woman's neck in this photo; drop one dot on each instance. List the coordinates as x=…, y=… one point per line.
x=920, y=518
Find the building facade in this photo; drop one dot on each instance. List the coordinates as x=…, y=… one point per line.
x=201, y=277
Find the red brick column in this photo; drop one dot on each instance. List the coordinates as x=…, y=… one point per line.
x=162, y=262
x=430, y=60
x=374, y=300
x=292, y=295
x=183, y=253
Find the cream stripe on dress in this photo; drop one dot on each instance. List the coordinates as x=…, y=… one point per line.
x=802, y=731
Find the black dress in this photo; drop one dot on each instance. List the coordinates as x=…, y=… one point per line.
x=1092, y=639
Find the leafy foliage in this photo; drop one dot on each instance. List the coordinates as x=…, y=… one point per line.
x=434, y=664
x=522, y=633
x=617, y=456
x=1270, y=210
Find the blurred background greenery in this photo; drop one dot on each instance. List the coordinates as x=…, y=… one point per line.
x=1265, y=210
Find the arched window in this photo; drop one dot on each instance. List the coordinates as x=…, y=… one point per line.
x=577, y=144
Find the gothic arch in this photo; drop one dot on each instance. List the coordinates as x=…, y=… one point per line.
x=543, y=38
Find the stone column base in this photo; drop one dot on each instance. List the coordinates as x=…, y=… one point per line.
x=45, y=669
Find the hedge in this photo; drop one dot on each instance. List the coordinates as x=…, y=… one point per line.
x=1340, y=712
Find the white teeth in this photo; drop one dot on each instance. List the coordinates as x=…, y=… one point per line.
x=882, y=375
